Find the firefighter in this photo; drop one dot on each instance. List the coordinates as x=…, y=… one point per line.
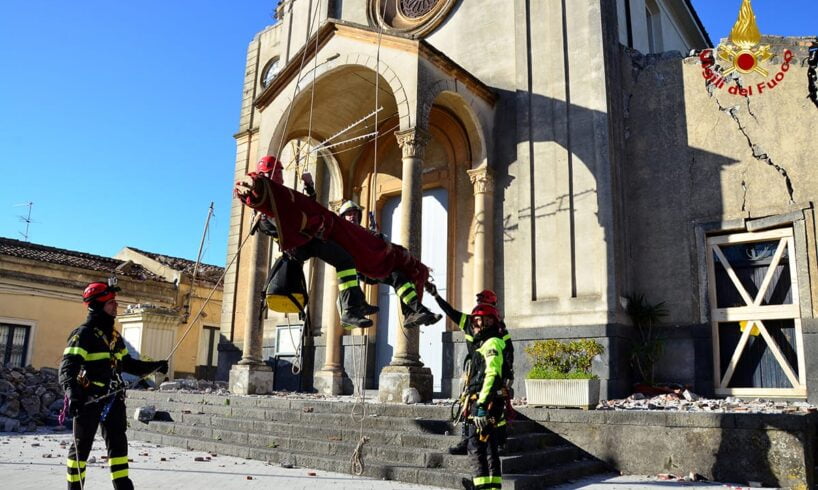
x=466, y=323
x=91, y=368
x=354, y=308
x=414, y=313
x=485, y=396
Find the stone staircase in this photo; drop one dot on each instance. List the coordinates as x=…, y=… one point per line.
x=406, y=442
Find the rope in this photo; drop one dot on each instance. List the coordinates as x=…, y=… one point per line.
x=356, y=461
x=190, y=326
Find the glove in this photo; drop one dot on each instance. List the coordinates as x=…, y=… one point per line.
x=430, y=288
x=161, y=366
x=481, y=419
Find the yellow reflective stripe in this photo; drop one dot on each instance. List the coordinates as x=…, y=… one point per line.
x=115, y=475
x=497, y=480
x=403, y=288
x=98, y=383
x=500, y=423
x=71, y=463
x=75, y=351
x=346, y=285
x=507, y=337
x=494, y=365
x=481, y=480
x=119, y=355
x=75, y=478
x=118, y=460
x=409, y=297
x=463, y=318
x=348, y=272
x=468, y=337
x=98, y=356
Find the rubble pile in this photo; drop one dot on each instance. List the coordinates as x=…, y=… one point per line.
x=195, y=386
x=29, y=398
x=687, y=401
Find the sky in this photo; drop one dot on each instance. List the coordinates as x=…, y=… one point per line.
x=117, y=118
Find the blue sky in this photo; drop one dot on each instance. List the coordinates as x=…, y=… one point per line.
x=116, y=118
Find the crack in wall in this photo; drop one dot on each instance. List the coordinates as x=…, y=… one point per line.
x=758, y=153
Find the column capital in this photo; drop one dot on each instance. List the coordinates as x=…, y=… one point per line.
x=335, y=206
x=413, y=141
x=483, y=180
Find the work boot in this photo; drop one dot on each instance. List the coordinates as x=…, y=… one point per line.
x=367, y=309
x=467, y=484
x=422, y=317
x=458, y=449
x=354, y=318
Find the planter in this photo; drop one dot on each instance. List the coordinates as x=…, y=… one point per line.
x=579, y=393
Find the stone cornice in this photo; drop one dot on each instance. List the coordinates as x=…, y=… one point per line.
x=333, y=27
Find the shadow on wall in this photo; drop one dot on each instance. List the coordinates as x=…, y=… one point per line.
x=646, y=179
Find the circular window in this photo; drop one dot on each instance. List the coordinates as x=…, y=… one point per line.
x=415, y=17
x=270, y=72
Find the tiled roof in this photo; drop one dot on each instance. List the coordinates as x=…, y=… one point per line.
x=61, y=256
x=206, y=272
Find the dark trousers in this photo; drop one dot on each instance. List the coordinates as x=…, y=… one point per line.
x=406, y=291
x=333, y=254
x=113, y=431
x=485, y=459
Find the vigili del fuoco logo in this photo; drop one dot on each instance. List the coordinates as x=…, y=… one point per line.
x=744, y=54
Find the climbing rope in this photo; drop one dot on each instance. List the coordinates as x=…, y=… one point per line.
x=187, y=331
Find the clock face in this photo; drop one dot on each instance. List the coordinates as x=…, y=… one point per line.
x=416, y=8
x=272, y=70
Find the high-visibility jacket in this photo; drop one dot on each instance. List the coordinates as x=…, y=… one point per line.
x=98, y=349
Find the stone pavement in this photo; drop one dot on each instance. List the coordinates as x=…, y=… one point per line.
x=37, y=461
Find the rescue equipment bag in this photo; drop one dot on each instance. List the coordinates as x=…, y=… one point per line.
x=286, y=290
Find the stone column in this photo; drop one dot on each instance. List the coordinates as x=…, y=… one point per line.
x=329, y=380
x=483, y=181
x=251, y=375
x=405, y=370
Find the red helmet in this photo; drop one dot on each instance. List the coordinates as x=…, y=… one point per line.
x=486, y=310
x=269, y=164
x=99, y=292
x=487, y=296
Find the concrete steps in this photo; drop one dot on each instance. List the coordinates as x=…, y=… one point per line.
x=406, y=442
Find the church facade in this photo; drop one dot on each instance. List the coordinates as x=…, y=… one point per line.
x=529, y=148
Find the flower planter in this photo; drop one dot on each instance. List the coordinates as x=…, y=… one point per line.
x=579, y=393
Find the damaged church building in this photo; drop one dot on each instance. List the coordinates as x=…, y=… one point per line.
x=571, y=156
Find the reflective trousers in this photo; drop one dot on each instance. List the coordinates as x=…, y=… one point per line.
x=113, y=431
x=485, y=458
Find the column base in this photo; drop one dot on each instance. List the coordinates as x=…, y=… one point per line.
x=328, y=382
x=251, y=379
x=394, y=379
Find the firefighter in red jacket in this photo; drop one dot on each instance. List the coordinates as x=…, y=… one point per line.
x=91, y=368
x=354, y=308
x=414, y=313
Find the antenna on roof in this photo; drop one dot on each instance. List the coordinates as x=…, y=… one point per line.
x=26, y=219
x=198, y=260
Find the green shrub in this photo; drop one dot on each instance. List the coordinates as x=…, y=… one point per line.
x=553, y=359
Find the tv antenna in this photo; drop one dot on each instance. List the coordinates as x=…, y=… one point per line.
x=26, y=219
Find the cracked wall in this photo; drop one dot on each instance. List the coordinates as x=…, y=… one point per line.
x=698, y=154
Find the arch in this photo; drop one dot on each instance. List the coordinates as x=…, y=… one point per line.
x=466, y=107
x=333, y=66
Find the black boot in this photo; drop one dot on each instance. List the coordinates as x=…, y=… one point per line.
x=423, y=316
x=354, y=318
